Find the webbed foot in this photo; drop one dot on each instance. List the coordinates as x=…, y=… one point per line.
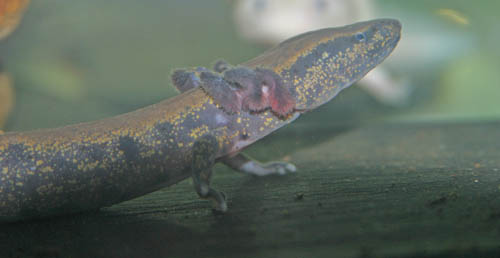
x=242, y=163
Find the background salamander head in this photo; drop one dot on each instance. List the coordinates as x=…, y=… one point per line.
x=317, y=65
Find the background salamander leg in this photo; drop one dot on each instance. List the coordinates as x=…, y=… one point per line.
x=204, y=151
x=242, y=163
x=7, y=97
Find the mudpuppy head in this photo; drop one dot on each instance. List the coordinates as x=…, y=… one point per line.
x=317, y=65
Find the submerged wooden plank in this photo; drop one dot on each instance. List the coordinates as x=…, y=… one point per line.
x=391, y=190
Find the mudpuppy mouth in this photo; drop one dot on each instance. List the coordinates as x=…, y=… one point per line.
x=239, y=145
x=302, y=110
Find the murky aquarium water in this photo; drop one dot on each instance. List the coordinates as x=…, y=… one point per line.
x=405, y=163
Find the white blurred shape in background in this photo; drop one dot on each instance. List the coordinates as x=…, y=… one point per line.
x=426, y=41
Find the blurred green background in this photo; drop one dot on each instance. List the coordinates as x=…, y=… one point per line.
x=76, y=61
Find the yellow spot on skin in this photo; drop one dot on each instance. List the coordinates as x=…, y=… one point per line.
x=198, y=131
x=148, y=153
x=238, y=120
x=5, y=170
x=42, y=190
x=180, y=144
x=19, y=183
x=87, y=166
x=47, y=169
x=39, y=162
x=268, y=121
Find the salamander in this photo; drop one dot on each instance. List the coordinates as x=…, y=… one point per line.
x=219, y=112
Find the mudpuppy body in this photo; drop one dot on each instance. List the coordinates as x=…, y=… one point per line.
x=96, y=164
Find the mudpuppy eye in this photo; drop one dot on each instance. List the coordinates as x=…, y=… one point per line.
x=360, y=37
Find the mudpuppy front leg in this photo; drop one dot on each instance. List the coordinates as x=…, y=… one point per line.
x=204, y=151
x=242, y=163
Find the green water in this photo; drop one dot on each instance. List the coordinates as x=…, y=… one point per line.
x=367, y=188
x=87, y=60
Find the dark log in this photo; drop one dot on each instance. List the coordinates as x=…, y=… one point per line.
x=390, y=190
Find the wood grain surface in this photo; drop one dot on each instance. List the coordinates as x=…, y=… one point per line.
x=387, y=190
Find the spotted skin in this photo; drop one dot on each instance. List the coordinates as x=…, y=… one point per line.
x=92, y=165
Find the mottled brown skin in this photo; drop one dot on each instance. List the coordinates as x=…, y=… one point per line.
x=91, y=165
x=11, y=12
